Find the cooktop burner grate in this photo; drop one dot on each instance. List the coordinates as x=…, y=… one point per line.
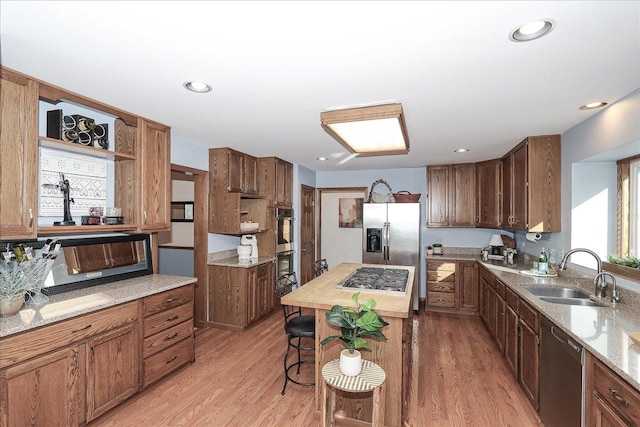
x=377, y=279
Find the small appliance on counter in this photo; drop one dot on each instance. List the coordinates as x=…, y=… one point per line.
x=248, y=249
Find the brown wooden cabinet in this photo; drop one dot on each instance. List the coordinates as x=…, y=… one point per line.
x=500, y=307
x=240, y=296
x=452, y=195
x=276, y=181
x=18, y=155
x=168, y=333
x=112, y=369
x=452, y=285
x=531, y=185
x=155, y=176
x=529, y=351
x=610, y=400
x=237, y=171
x=140, y=154
x=488, y=193
x=511, y=331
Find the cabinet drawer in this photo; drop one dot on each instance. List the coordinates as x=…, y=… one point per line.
x=440, y=299
x=499, y=287
x=166, y=300
x=448, y=287
x=263, y=269
x=511, y=298
x=20, y=347
x=529, y=315
x=166, y=319
x=167, y=338
x=617, y=393
x=441, y=265
x=441, y=276
x=160, y=364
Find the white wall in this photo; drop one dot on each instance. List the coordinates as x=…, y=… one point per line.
x=181, y=233
x=338, y=245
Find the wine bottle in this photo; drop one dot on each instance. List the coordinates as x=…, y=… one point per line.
x=85, y=123
x=543, y=262
x=69, y=135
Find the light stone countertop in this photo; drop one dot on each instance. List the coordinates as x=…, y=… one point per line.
x=70, y=304
x=323, y=293
x=233, y=262
x=604, y=331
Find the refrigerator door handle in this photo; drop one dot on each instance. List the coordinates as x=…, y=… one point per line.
x=387, y=226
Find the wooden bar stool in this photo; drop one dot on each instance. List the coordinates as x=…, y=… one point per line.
x=371, y=378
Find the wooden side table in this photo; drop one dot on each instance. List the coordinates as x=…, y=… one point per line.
x=371, y=378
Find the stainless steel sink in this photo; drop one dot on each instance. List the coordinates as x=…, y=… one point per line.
x=565, y=296
x=571, y=301
x=540, y=291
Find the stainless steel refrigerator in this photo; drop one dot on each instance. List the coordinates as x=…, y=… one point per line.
x=391, y=235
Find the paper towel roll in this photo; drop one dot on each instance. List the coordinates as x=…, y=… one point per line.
x=533, y=237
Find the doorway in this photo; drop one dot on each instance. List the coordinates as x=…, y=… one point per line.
x=307, y=233
x=189, y=238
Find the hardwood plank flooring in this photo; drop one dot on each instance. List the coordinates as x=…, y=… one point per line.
x=237, y=379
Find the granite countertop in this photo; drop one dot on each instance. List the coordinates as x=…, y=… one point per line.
x=603, y=331
x=233, y=262
x=70, y=304
x=322, y=292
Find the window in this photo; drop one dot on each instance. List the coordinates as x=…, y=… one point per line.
x=628, y=241
x=634, y=209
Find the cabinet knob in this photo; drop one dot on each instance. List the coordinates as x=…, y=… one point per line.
x=144, y=215
x=30, y=217
x=619, y=398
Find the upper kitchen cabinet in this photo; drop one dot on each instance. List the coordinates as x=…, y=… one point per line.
x=46, y=130
x=452, y=195
x=18, y=155
x=230, y=172
x=237, y=171
x=276, y=181
x=531, y=185
x=155, y=176
x=488, y=194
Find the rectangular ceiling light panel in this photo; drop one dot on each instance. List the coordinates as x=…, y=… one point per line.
x=377, y=130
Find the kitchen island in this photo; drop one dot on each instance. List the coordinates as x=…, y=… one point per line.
x=393, y=355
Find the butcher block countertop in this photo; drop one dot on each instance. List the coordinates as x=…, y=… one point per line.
x=322, y=292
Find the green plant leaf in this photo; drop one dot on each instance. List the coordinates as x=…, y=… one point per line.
x=329, y=339
x=370, y=321
x=370, y=304
x=361, y=343
x=338, y=317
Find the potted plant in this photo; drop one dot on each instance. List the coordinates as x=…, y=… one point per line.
x=429, y=250
x=355, y=324
x=437, y=248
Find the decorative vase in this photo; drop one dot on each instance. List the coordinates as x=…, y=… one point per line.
x=350, y=364
x=10, y=304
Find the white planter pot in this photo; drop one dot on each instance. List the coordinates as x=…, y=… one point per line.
x=10, y=305
x=350, y=364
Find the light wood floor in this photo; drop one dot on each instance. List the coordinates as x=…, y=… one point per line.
x=237, y=379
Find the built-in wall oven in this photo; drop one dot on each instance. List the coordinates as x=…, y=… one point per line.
x=284, y=241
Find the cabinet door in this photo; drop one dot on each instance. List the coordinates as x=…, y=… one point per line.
x=506, y=191
x=511, y=340
x=234, y=171
x=284, y=183
x=438, y=188
x=18, y=155
x=492, y=311
x=155, y=173
x=519, y=190
x=484, y=301
x=467, y=286
x=250, y=175
x=604, y=416
x=462, y=195
x=529, y=364
x=500, y=322
x=288, y=184
x=253, y=293
x=264, y=289
x=488, y=201
x=45, y=391
x=112, y=369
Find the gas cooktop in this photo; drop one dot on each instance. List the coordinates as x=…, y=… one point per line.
x=392, y=280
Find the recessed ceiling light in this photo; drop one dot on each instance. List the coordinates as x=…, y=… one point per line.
x=322, y=159
x=593, y=105
x=196, y=86
x=461, y=150
x=532, y=30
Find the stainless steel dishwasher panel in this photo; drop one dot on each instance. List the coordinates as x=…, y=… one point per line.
x=561, y=378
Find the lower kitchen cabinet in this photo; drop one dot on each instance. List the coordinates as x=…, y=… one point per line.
x=112, y=369
x=511, y=330
x=610, y=400
x=452, y=286
x=46, y=390
x=239, y=296
x=529, y=351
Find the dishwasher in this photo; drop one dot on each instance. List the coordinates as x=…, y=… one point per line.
x=561, y=378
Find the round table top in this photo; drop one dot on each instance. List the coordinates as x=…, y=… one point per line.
x=368, y=379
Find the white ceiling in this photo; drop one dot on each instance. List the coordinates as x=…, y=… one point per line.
x=275, y=66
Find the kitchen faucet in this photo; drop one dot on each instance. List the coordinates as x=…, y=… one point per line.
x=600, y=288
x=615, y=294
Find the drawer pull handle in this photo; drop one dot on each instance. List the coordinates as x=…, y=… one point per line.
x=171, y=337
x=173, y=318
x=81, y=329
x=171, y=299
x=619, y=398
x=171, y=360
